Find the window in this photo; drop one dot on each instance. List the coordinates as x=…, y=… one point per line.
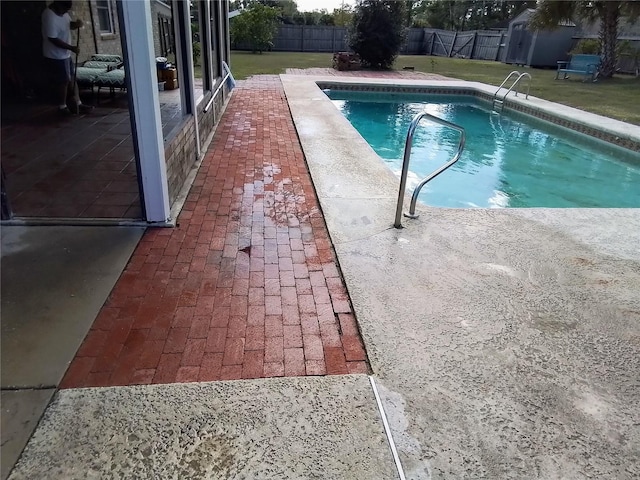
x=105, y=16
x=165, y=31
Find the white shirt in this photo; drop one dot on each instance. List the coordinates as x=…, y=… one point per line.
x=55, y=26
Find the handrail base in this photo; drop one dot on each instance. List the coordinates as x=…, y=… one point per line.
x=411, y=215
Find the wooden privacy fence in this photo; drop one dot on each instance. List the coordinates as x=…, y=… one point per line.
x=484, y=45
x=481, y=45
x=306, y=38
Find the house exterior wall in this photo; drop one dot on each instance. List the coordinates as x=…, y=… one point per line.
x=181, y=152
x=208, y=120
x=91, y=40
x=156, y=29
x=180, y=157
x=86, y=44
x=107, y=43
x=158, y=10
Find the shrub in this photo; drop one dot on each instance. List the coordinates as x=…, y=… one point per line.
x=588, y=46
x=378, y=31
x=197, y=49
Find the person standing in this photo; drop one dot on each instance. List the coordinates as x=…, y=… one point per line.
x=56, y=48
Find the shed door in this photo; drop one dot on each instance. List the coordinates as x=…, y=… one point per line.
x=519, y=44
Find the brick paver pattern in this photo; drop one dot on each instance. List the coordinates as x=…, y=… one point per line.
x=246, y=285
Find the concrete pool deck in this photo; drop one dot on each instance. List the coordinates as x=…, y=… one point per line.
x=505, y=341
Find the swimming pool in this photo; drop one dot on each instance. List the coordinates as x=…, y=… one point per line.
x=509, y=160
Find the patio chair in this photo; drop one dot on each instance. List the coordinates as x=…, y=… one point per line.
x=89, y=71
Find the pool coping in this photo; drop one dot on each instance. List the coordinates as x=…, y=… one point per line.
x=603, y=128
x=346, y=171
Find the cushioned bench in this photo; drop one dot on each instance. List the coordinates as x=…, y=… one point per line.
x=102, y=70
x=580, y=64
x=85, y=76
x=106, y=57
x=112, y=79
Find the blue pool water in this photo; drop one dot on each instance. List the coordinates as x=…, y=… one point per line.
x=506, y=162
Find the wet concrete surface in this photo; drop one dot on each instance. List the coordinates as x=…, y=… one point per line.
x=505, y=341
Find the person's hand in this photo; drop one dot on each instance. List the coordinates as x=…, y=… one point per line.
x=79, y=23
x=75, y=50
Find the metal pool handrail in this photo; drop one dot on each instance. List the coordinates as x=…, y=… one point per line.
x=515, y=72
x=405, y=164
x=500, y=103
x=525, y=74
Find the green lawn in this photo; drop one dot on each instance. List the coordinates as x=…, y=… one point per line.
x=617, y=98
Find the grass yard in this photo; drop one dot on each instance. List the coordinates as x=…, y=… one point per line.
x=617, y=98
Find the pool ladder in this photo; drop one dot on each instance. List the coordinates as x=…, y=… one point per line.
x=405, y=164
x=498, y=103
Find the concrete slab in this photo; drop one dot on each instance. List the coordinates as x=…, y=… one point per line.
x=512, y=347
x=21, y=411
x=505, y=341
x=313, y=427
x=54, y=281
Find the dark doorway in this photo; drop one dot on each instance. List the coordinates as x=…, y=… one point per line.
x=519, y=44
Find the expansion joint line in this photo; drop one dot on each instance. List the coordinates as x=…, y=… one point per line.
x=387, y=430
x=359, y=239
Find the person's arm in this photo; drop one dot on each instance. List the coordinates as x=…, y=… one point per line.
x=60, y=44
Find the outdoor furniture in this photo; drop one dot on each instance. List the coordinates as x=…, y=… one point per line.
x=86, y=75
x=112, y=79
x=102, y=70
x=105, y=57
x=580, y=64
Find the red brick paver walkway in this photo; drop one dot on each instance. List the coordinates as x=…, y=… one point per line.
x=246, y=286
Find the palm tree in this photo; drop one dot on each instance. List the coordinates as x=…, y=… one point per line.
x=550, y=13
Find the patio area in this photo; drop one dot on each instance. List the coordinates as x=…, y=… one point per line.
x=77, y=167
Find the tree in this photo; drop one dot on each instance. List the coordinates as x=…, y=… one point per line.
x=550, y=14
x=447, y=14
x=256, y=25
x=342, y=15
x=378, y=31
x=466, y=14
x=326, y=18
x=411, y=6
